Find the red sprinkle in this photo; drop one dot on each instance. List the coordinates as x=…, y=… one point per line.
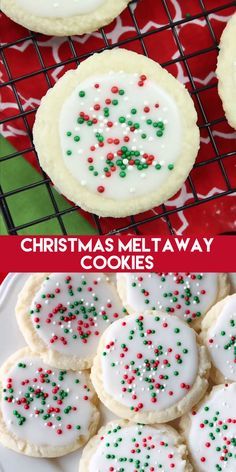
x=101, y=189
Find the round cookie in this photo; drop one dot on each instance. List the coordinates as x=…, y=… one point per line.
x=61, y=18
x=186, y=295
x=149, y=368
x=44, y=412
x=219, y=336
x=117, y=135
x=226, y=71
x=145, y=448
x=210, y=431
x=62, y=316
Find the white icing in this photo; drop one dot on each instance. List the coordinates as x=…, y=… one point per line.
x=35, y=429
x=59, y=8
x=155, y=448
x=202, y=447
x=165, y=150
x=115, y=367
x=160, y=294
x=222, y=340
x=94, y=307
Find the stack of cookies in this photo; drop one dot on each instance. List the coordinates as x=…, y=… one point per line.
x=158, y=350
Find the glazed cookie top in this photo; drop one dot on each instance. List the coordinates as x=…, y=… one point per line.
x=59, y=8
x=186, y=295
x=136, y=447
x=212, y=434
x=149, y=362
x=120, y=134
x=46, y=406
x=70, y=311
x=226, y=70
x=222, y=340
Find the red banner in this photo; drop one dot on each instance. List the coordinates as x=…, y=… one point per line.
x=117, y=253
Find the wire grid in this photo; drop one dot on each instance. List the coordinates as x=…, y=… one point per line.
x=132, y=225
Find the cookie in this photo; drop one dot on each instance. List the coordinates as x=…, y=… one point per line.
x=219, y=336
x=186, y=295
x=232, y=278
x=226, y=71
x=62, y=316
x=135, y=447
x=117, y=135
x=210, y=431
x=149, y=368
x=62, y=18
x=44, y=412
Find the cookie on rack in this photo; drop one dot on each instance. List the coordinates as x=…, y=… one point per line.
x=62, y=316
x=118, y=135
x=226, y=71
x=61, y=18
x=186, y=295
x=219, y=336
x=44, y=412
x=150, y=368
x=133, y=446
x=210, y=431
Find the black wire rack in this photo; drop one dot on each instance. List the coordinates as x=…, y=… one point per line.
x=131, y=224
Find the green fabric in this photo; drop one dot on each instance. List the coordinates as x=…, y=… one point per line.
x=34, y=203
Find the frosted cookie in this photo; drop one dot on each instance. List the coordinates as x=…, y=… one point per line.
x=135, y=447
x=219, y=335
x=44, y=412
x=186, y=295
x=149, y=368
x=210, y=431
x=226, y=71
x=60, y=17
x=118, y=135
x=62, y=316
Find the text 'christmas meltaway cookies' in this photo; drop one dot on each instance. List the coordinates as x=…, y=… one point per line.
x=127, y=447
x=186, y=295
x=210, y=431
x=63, y=315
x=149, y=368
x=219, y=335
x=44, y=412
x=118, y=135
x=63, y=17
x=226, y=71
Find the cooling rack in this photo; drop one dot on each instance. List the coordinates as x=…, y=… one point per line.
x=132, y=224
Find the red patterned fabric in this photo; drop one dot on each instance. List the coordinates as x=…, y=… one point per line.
x=2, y=276
x=216, y=216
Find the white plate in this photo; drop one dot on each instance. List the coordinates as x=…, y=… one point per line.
x=10, y=340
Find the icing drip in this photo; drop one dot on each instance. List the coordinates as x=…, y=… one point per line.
x=45, y=406
x=120, y=131
x=59, y=8
x=71, y=311
x=140, y=448
x=149, y=362
x=222, y=340
x=186, y=295
x=212, y=435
